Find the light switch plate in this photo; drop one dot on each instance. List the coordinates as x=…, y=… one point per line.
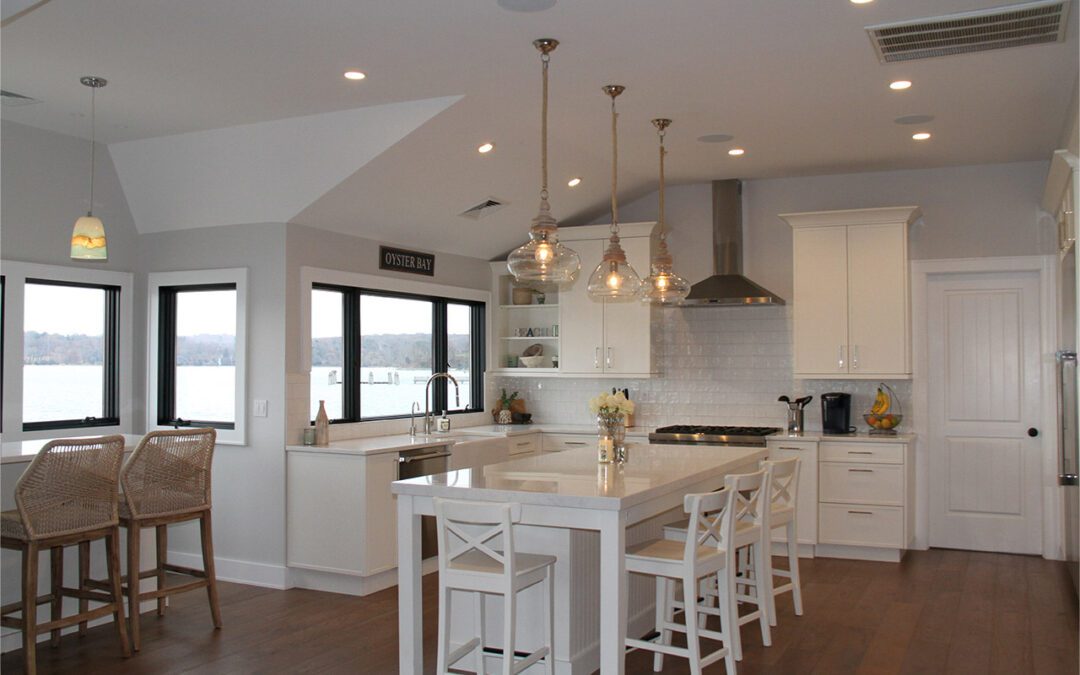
x=261, y=405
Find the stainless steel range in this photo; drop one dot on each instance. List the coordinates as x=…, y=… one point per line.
x=711, y=435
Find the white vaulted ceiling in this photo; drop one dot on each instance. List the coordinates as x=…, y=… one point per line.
x=241, y=103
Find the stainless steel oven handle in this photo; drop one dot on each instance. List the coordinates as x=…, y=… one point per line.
x=419, y=458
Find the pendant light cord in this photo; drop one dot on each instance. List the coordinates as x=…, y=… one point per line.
x=93, y=96
x=663, y=225
x=544, y=58
x=614, y=169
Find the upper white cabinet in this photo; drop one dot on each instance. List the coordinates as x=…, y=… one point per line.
x=851, y=307
x=605, y=337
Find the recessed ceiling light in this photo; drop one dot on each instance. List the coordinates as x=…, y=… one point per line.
x=526, y=5
x=486, y=148
x=914, y=119
x=921, y=136
x=900, y=84
x=715, y=138
x=573, y=182
x=861, y=2
x=354, y=75
x=736, y=152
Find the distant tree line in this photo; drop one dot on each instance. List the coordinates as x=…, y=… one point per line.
x=52, y=349
x=391, y=351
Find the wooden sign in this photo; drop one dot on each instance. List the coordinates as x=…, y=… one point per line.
x=400, y=260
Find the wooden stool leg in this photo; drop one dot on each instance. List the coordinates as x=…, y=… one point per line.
x=162, y=537
x=56, y=604
x=208, y=566
x=133, y=569
x=29, y=607
x=84, y=574
x=112, y=544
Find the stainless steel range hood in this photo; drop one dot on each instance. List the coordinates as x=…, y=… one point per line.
x=728, y=287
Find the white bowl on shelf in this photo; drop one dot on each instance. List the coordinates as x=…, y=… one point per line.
x=530, y=361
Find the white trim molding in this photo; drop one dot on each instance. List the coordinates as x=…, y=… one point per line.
x=1046, y=267
x=155, y=281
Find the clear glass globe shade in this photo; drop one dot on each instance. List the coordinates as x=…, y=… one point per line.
x=544, y=261
x=663, y=287
x=614, y=280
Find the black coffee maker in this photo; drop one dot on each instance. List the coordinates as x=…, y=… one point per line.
x=836, y=413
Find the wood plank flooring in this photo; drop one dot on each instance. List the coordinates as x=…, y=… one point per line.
x=938, y=611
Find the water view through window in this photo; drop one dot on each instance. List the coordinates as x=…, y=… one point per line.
x=206, y=355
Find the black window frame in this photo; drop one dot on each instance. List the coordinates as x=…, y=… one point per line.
x=350, y=404
x=166, y=355
x=110, y=361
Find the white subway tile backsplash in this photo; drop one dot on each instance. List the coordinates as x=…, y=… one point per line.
x=719, y=365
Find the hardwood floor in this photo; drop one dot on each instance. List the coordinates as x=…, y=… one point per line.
x=938, y=611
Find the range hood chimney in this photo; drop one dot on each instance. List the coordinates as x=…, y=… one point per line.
x=728, y=287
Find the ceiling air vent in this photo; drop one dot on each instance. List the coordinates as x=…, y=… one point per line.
x=484, y=208
x=10, y=98
x=1030, y=23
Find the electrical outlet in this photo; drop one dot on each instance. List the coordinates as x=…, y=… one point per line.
x=261, y=405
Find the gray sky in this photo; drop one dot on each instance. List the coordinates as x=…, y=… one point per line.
x=382, y=316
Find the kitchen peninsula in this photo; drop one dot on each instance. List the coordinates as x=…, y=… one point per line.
x=567, y=498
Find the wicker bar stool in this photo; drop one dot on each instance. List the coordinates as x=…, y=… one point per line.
x=166, y=481
x=68, y=495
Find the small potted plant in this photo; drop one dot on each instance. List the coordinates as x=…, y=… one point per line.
x=503, y=413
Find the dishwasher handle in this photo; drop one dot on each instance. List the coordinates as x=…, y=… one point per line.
x=419, y=458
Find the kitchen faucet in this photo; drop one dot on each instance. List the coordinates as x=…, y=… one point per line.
x=427, y=398
x=412, y=417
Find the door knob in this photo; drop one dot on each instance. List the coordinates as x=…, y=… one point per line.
x=1033, y=432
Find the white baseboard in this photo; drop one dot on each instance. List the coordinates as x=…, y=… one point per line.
x=859, y=553
x=349, y=584
x=238, y=571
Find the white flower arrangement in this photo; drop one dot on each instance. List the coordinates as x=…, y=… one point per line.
x=611, y=404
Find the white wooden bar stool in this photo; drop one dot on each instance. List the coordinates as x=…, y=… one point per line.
x=750, y=574
x=783, y=496
x=468, y=561
x=705, y=554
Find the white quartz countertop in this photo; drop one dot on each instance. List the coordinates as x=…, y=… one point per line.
x=24, y=451
x=858, y=437
x=375, y=445
x=574, y=477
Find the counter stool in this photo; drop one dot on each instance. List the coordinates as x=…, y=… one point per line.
x=752, y=567
x=166, y=481
x=707, y=554
x=783, y=496
x=469, y=562
x=68, y=495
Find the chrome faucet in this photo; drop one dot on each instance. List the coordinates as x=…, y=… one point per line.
x=412, y=418
x=427, y=398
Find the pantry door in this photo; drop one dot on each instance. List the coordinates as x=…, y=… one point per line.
x=983, y=349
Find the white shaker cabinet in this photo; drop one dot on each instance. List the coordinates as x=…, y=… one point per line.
x=605, y=337
x=851, y=306
x=806, y=507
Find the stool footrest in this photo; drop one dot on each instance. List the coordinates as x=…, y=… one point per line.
x=180, y=569
x=177, y=588
x=89, y=615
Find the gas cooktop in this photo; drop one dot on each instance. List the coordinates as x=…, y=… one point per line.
x=711, y=435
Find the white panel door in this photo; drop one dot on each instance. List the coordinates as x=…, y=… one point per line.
x=581, y=320
x=878, y=321
x=983, y=388
x=820, y=302
x=627, y=324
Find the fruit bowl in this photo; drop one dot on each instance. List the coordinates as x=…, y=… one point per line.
x=883, y=424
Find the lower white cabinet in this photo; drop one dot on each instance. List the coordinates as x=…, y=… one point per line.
x=560, y=442
x=525, y=444
x=866, y=499
x=807, y=500
x=473, y=454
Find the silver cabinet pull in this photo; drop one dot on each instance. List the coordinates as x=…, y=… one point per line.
x=523, y=444
x=861, y=513
x=608, y=357
x=576, y=443
x=855, y=357
x=781, y=447
x=840, y=359
x=860, y=452
x=596, y=358
x=861, y=470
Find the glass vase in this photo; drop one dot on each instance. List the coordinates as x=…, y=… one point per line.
x=611, y=430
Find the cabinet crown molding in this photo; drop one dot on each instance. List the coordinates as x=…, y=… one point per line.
x=846, y=217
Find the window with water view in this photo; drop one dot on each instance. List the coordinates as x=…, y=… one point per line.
x=372, y=353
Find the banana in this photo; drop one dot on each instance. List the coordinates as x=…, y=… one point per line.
x=882, y=403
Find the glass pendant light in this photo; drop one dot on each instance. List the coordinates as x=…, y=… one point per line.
x=543, y=260
x=88, y=235
x=662, y=286
x=614, y=278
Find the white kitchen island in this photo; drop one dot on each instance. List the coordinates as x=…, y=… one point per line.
x=569, y=491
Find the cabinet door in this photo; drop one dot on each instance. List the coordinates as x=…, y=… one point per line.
x=379, y=518
x=627, y=324
x=878, y=314
x=581, y=320
x=806, y=501
x=820, y=302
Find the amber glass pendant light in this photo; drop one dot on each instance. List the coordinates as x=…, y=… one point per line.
x=614, y=278
x=663, y=286
x=88, y=235
x=543, y=260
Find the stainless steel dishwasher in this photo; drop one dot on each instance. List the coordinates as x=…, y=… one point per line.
x=425, y=462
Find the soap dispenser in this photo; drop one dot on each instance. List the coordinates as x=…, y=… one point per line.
x=444, y=423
